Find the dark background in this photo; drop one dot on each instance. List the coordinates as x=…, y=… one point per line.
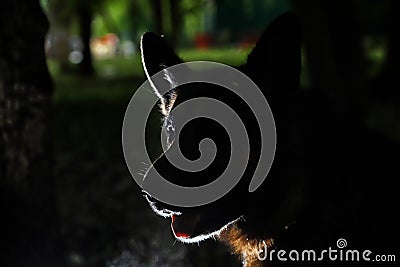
x=67, y=71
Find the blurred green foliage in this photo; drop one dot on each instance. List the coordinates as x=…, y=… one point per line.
x=125, y=67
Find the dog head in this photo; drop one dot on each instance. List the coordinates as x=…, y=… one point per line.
x=274, y=65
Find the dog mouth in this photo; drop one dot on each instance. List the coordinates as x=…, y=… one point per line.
x=183, y=226
x=187, y=227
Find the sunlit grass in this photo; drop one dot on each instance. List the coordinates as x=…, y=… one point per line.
x=230, y=56
x=118, y=77
x=121, y=66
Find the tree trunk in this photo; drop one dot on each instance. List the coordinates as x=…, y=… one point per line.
x=176, y=21
x=157, y=15
x=386, y=86
x=333, y=49
x=85, y=23
x=29, y=233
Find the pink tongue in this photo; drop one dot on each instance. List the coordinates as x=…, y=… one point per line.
x=182, y=235
x=178, y=234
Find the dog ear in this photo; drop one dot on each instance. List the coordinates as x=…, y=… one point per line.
x=157, y=55
x=277, y=55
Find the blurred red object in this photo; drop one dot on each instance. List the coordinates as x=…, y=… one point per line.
x=202, y=40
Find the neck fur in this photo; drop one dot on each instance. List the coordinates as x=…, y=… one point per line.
x=248, y=249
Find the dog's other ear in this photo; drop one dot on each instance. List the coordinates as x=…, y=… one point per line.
x=276, y=57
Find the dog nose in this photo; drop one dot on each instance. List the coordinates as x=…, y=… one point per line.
x=158, y=206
